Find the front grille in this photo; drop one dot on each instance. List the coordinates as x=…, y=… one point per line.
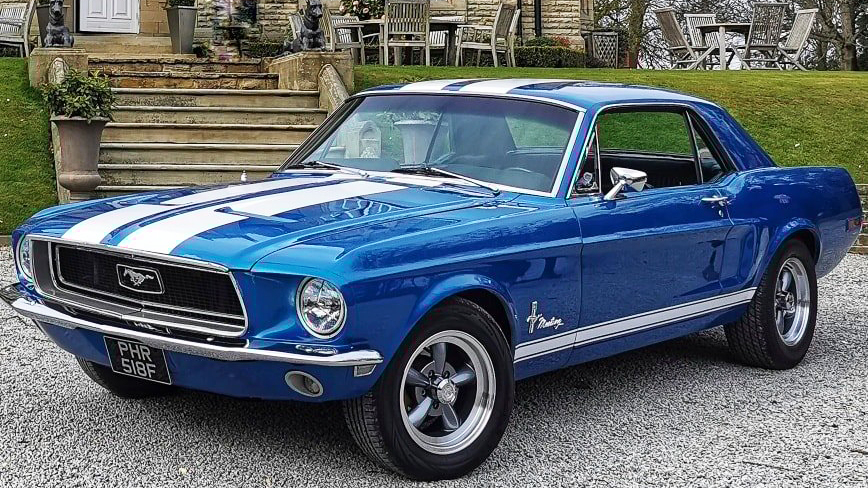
x=172, y=293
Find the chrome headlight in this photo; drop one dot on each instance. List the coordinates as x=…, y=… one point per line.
x=321, y=307
x=23, y=258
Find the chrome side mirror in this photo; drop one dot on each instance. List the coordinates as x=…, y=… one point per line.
x=623, y=177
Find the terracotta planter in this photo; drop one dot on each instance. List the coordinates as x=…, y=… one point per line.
x=79, y=152
x=182, y=25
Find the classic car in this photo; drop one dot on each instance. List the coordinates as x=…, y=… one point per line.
x=432, y=243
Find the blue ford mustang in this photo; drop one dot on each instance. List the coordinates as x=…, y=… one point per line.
x=432, y=243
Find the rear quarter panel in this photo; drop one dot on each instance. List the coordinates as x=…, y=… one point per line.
x=772, y=204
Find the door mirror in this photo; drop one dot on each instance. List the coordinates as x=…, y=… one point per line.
x=625, y=177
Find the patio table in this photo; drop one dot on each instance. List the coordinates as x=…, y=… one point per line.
x=722, y=28
x=448, y=24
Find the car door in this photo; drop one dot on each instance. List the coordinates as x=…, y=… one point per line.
x=650, y=257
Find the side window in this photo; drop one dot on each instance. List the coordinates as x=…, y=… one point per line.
x=709, y=166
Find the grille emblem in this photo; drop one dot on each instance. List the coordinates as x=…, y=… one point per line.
x=142, y=280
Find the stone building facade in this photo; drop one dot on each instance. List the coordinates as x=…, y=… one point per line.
x=566, y=18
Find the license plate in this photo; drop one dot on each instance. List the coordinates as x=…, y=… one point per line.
x=137, y=360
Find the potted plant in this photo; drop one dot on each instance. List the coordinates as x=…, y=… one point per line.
x=182, y=23
x=81, y=105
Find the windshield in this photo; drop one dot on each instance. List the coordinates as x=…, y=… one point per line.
x=506, y=142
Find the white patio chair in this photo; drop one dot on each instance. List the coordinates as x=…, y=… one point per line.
x=15, y=21
x=496, y=38
x=761, y=45
x=339, y=38
x=437, y=38
x=709, y=43
x=791, y=50
x=683, y=54
x=406, y=24
x=604, y=48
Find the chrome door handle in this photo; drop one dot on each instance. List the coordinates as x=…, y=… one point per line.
x=722, y=201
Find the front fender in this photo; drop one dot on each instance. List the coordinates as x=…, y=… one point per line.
x=455, y=285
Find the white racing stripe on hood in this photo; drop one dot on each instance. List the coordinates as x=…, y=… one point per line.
x=236, y=190
x=165, y=235
x=95, y=229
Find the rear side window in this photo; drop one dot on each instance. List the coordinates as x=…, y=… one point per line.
x=645, y=132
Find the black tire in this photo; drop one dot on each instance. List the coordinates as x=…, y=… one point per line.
x=122, y=385
x=375, y=419
x=754, y=338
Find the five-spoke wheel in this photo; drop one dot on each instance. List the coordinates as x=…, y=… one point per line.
x=448, y=392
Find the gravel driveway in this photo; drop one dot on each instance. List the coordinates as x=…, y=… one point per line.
x=680, y=413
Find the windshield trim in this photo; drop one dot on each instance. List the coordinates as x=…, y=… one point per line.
x=343, y=112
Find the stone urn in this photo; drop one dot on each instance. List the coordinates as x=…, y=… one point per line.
x=79, y=152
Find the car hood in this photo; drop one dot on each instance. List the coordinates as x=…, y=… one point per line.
x=236, y=225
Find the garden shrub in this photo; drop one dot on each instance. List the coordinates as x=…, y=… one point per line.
x=85, y=94
x=549, y=57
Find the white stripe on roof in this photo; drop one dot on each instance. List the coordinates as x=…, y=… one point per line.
x=501, y=87
x=430, y=85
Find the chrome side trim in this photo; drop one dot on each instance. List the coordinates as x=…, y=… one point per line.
x=41, y=313
x=629, y=325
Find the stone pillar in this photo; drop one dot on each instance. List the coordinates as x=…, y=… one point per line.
x=332, y=91
x=41, y=62
x=300, y=71
x=861, y=246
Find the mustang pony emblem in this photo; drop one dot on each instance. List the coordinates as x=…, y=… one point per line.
x=139, y=279
x=136, y=278
x=536, y=321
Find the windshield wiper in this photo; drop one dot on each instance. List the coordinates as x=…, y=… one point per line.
x=313, y=163
x=430, y=171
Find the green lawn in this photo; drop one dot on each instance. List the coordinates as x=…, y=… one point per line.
x=26, y=161
x=814, y=118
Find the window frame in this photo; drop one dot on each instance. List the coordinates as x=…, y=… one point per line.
x=694, y=124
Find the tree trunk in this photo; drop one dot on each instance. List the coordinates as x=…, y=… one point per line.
x=848, y=33
x=635, y=24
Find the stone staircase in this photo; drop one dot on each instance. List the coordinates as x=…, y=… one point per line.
x=183, y=121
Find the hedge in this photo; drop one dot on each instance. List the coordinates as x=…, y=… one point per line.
x=549, y=57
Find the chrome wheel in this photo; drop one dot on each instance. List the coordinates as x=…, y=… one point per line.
x=792, y=301
x=447, y=392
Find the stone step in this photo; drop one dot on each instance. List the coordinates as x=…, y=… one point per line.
x=179, y=79
x=862, y=240
x=859, y=249
x=217, y=98
x=123, y=44
x=170, y=63
x=219, y=115
x=179, y=174
x=199, y=153
x=210, y=133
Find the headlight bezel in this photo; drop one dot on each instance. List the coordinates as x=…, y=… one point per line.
x=27, y=273
x=299, y=308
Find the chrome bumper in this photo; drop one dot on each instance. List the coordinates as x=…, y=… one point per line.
x=41, y=313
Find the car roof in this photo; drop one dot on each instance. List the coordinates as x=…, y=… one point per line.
x=578, y=93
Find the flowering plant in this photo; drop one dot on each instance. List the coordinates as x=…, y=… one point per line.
x=363, y=9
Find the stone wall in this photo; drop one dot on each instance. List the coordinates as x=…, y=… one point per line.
x=567, y=18
x=152, y=18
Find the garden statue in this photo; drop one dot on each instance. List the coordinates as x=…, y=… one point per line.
x=311, y=37
x=58, y=34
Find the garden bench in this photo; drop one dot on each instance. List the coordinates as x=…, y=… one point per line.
x=15, y=24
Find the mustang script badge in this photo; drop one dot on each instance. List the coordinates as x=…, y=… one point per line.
x=536, y=321
x=144, y=280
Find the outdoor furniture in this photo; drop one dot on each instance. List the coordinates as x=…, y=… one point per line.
x=496, y=38
x=722, y=46
x=700, y=41
x=405, y=24
x=683, y=54
x=604, y=48
x=439, y=39
x=791, y=50
x=15, y=21
x=761, y=44
x=339, y=36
